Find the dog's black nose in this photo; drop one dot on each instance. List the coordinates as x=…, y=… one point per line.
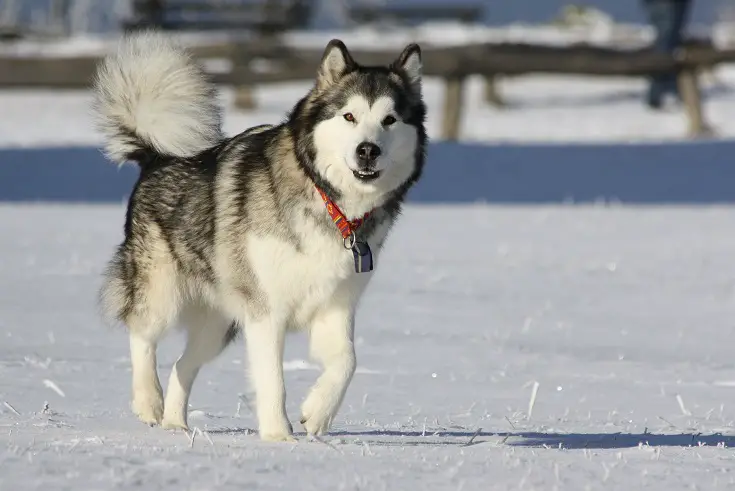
x=367, y=152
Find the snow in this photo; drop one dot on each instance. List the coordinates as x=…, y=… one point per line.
x=368, y=37
x=619, y=319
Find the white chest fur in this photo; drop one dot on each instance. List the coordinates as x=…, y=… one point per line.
x=297, y=281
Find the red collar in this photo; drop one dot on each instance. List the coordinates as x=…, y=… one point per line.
x=346, y=227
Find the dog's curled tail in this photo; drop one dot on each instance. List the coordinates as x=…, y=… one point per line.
x=152, y=100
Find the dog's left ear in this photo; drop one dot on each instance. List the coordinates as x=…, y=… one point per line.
x=336, y=61
x=409, y=62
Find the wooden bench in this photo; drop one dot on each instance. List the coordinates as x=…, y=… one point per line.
x=259, y=16
x=409, y=14
x=452, y=64
x=55, y=23
x=11, y=33
x=266, y=19
x=510, y=59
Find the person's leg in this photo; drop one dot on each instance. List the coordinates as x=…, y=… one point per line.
x=668, y=18
x=674, y=37
x=657, y=11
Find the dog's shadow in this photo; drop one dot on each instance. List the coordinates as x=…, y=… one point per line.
x=569, y=441
x=464, y=438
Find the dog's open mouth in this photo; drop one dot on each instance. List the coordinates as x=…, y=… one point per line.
x=366, y=175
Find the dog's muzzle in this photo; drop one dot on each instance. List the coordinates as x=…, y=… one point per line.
x=367, y=155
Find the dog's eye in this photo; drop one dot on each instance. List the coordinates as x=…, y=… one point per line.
x=349, y=117
x=389, y=120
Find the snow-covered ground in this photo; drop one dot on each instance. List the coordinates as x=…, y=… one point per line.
x=623, y=316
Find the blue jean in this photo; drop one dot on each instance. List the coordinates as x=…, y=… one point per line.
x=668, y=18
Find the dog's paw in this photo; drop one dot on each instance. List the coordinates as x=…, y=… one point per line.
x=148, y=408
x=277, y=431
x=278, y=437
x=174, y=423
x=316, y=425
x=316, y=414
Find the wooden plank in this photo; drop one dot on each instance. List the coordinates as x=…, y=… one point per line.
x=515, y=59
x=243, y=75
x=158, y=7
x=519, y=59
x=62, y=73
x=219, y=7
x=263, y=15
x=230, y=24
x=11, y=33
x=464, y=13
x=257, y=47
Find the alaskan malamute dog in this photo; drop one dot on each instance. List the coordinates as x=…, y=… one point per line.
x=272, y=230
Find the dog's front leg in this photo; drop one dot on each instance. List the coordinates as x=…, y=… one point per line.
x=265, y=341
x=330, y=343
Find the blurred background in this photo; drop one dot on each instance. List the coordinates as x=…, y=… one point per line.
x=529, y=100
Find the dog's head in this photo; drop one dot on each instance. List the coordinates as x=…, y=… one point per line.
x=361, y=129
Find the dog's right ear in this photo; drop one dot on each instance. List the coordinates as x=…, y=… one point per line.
x=409, y=62
x=336, y=61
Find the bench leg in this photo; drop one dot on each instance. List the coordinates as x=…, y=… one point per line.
x=692, y=98
x=492, y=95
x=454, y=91
x=245, y=98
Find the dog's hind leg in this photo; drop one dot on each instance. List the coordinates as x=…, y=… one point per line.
x=147, y=324
x=142, y=291
x=330, y=344
x=147, y=403
x=208, y=332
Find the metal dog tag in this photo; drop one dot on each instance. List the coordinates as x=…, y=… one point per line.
x=363, y=257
